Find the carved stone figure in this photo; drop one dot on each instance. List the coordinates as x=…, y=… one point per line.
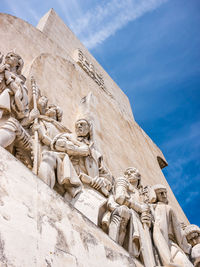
x=192, y=233
x=85, y=159
x=15, y=117
x=53, y=166
x=128, y=218
x=68, y=162
x=168, y=235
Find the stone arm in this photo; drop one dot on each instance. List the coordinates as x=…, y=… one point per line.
x=111, y=204
x=20, y=94
x=136, y=205
x=103, y=170
x=29, y=117
x=43, y=137
x=143, y=209
x=63, y=144
x=13, y=81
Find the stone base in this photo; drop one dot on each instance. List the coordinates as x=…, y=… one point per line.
x=38, y=228
x=91, y=203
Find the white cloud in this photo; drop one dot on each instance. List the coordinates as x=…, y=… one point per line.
x=92, y=21
x=103, y=20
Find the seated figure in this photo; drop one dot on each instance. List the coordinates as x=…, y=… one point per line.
x=52, y=166
x=85, y=159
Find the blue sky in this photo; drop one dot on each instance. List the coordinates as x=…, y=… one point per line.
x=151, y=49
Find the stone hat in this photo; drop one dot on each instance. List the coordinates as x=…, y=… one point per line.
x=191, y=228
x=159, y=188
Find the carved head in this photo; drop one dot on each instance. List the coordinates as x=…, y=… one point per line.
x=83, y=128
x=133, y=176
x=14, y=61
x=192, y=233
x=161, y=193
x=42, y=104
x=54, y=112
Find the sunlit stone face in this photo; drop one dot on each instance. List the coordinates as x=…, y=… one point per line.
x=82, y=128
x=132, y=175
x=193, y=238
x=12, y=59
x=162, y=196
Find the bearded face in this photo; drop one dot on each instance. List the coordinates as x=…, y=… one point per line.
x=82, y=128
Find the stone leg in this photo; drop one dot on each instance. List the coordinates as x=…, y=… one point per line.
x=11, y=132
x=119, y=221
x=179, y=257
x=162, y=245
x=123, y=228
x=114, y=227
x=47, y=168
x=6, y=137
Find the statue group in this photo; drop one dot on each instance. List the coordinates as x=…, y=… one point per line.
x=137, y=217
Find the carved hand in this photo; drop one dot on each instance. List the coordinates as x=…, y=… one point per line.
x=97, y=183
x=34, y=114
x=146, y=215
x=61, y=144
x=38, y=128
x=4, y=67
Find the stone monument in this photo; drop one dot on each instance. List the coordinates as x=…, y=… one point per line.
x=67, y=133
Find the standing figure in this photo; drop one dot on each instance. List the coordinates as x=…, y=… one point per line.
x=128, y=217
x=192, y=233
x=168, y=235
x=15, y=117
x=53, y=166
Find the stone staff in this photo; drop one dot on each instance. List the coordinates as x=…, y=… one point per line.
x=35, y=143
x=148, y=254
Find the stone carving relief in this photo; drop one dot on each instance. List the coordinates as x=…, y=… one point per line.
x=89, y=68
x=168, y=236
x=15, y=115
x=86, y=161
x=135, y=216
x=192, y=233
x=128, y=218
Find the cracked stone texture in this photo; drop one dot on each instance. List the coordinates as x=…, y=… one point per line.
x=44, y=230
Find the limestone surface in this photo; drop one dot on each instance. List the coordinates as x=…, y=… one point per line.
x=38, y=228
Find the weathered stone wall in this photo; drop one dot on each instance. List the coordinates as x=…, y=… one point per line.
x=38, y=228
x=48, y=56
